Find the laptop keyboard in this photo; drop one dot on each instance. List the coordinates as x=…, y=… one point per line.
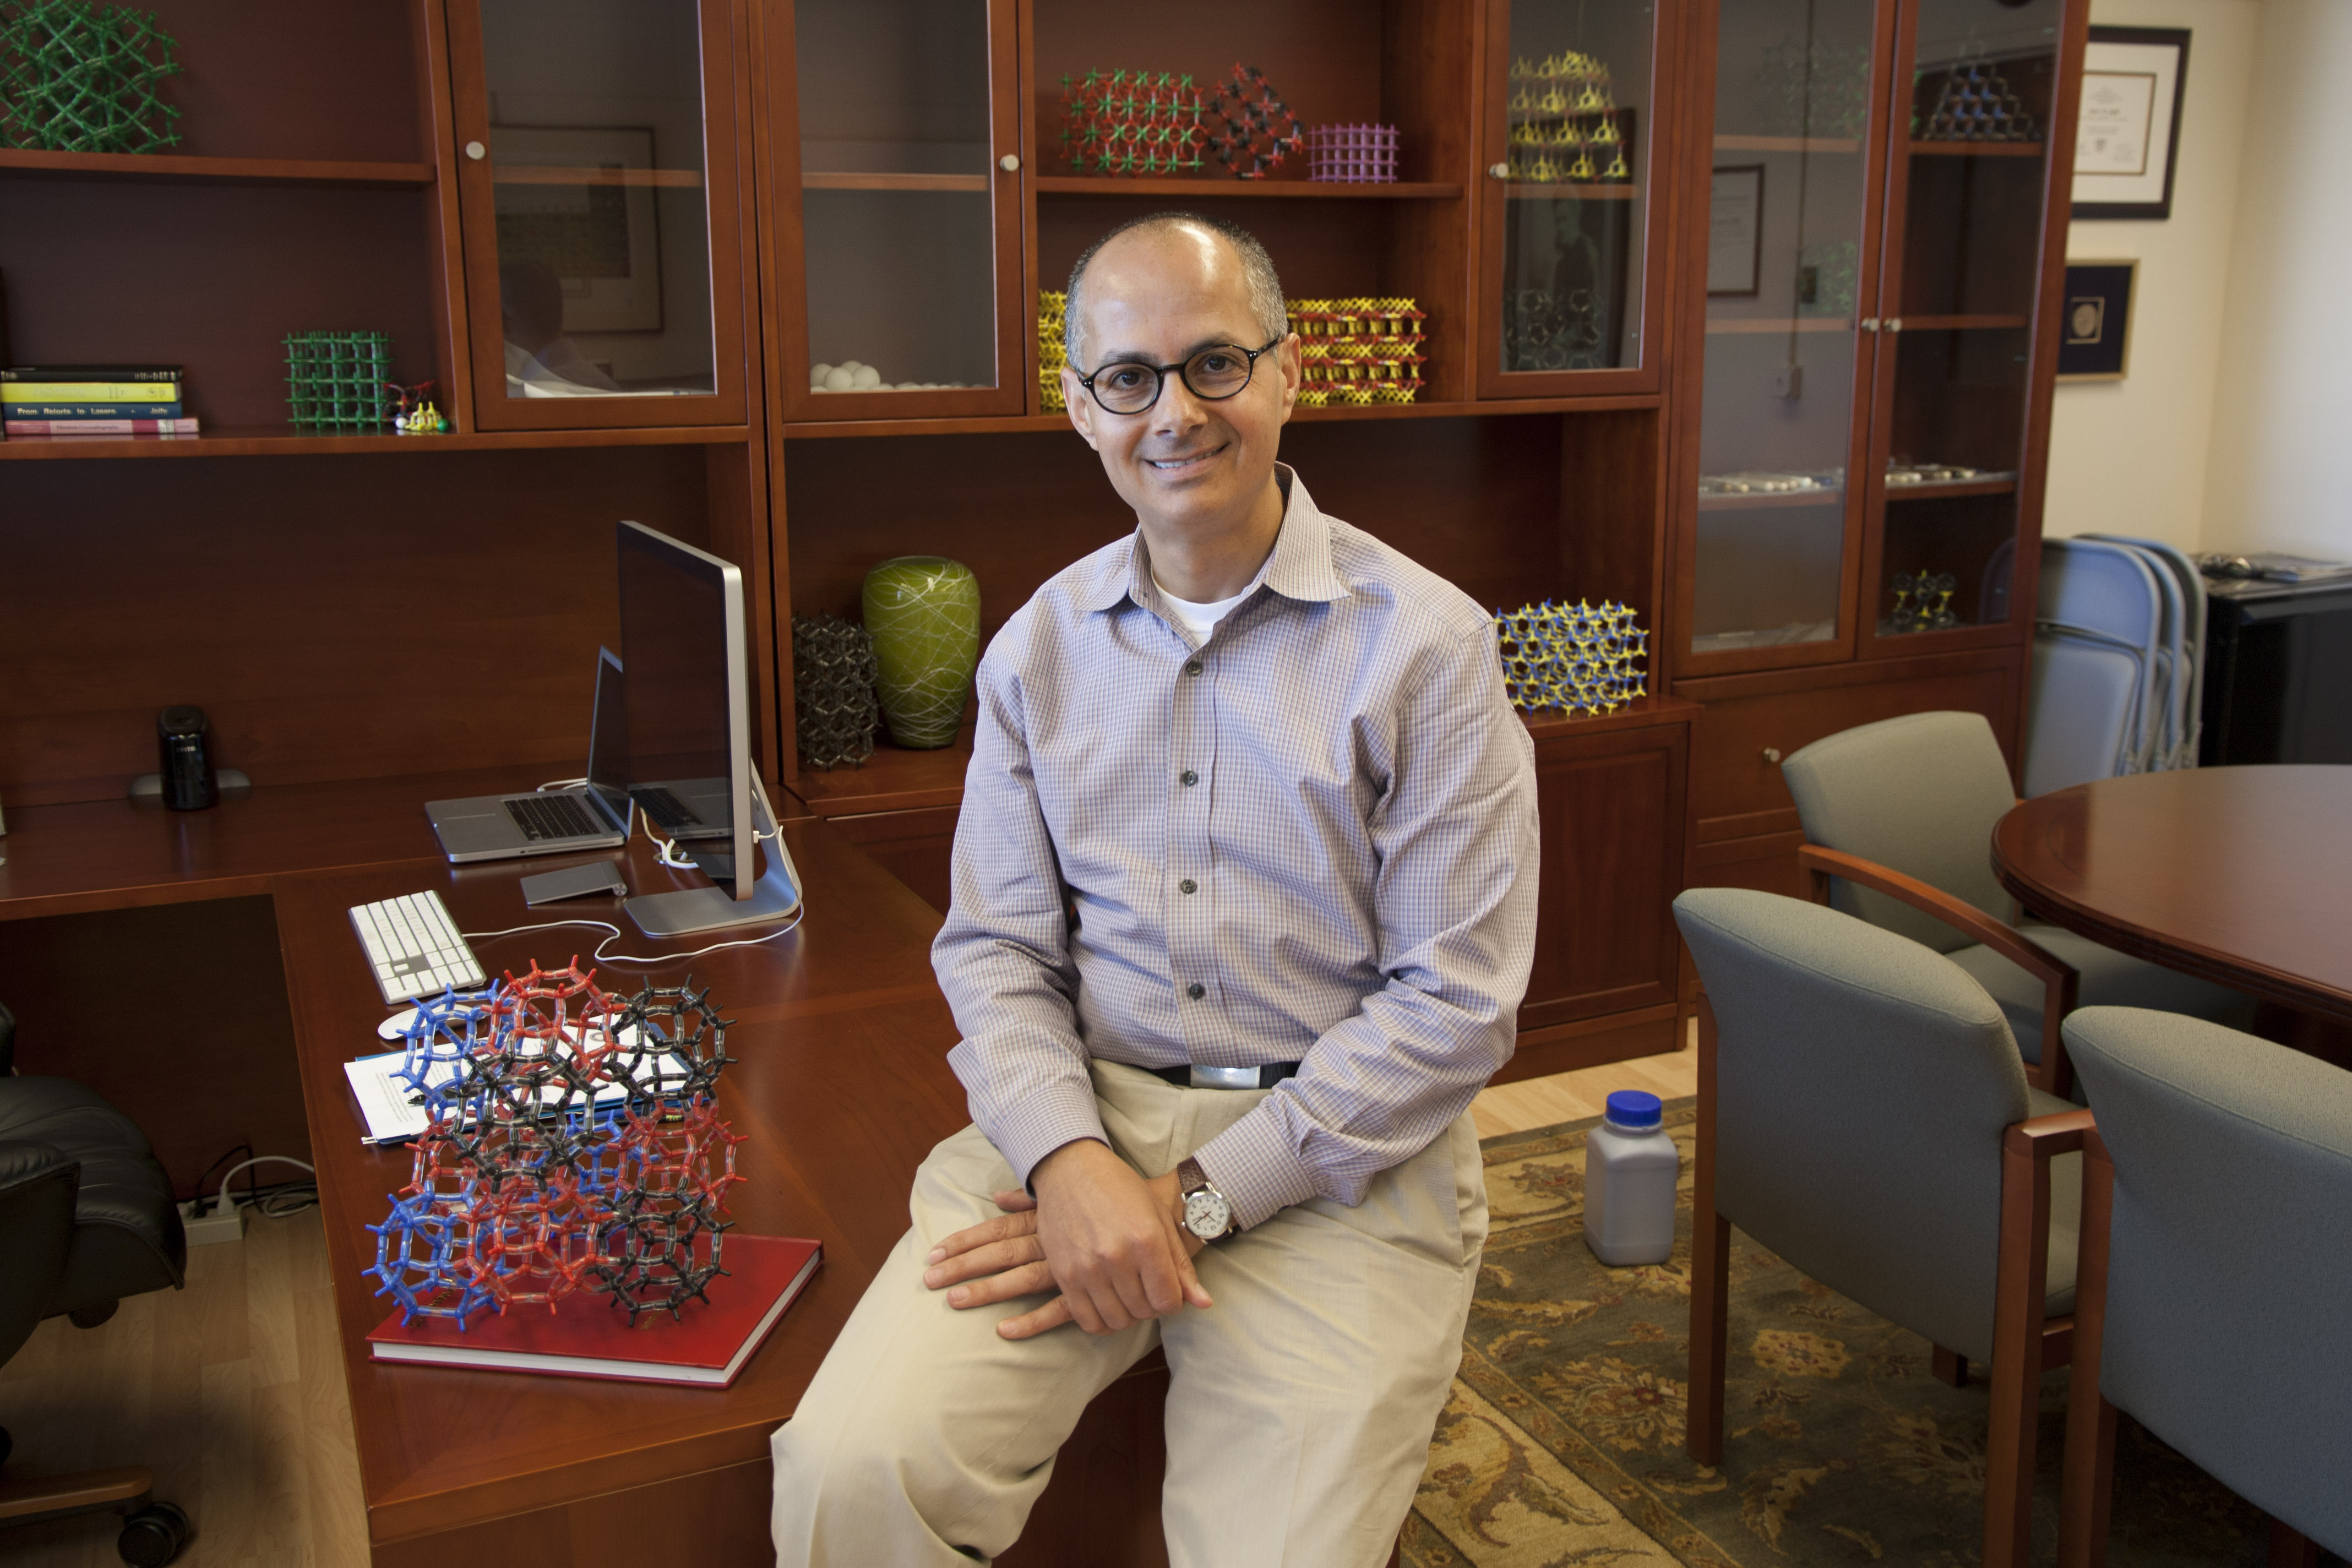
x=552, y=817
x=666, y=810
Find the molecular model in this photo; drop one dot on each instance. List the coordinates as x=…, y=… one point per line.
x=1358, y=350
x=1132, y=122
x=833, y=705
x=571, y=1142
x=1566, y=126
x=1053, y=308
x=1976, y=104
x=1923, y=601
x=1581, y=660
x=1260, y=129
x=1351, y=154
x=80, y=77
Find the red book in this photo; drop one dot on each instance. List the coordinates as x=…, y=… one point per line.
x=586, y=1336
x=185, y=426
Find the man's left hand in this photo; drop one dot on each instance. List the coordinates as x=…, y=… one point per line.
x=1000, y=1258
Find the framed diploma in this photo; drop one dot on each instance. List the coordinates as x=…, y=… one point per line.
x=1734, y=233
x=2096, y=344
x=2128, y=136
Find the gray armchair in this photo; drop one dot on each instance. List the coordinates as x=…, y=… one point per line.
x=1918, y=796
x=1863, y=1113
x=2216, y=1263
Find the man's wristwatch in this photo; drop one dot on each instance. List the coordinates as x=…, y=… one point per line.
x=1208, y=1213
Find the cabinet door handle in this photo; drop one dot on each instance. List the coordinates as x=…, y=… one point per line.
x=1010, y=163
x=1498, y=171
x=1869, y=323
x=477, y=152
x=1893, y=323
x=1771, y=754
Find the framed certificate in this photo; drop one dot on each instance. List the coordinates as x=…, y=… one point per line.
x=1734, y=233
x=2128, y=135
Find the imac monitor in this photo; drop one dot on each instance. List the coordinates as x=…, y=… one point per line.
x=690, y=734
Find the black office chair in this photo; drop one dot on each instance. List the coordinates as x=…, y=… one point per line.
x=86, y=1218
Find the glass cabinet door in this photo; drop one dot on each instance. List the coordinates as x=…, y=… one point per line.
x=1789, y=265
x=1956, y=351
x=1574, y=111
x=604, y=280
x=909, y=245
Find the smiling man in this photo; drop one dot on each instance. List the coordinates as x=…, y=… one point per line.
x=1244, y=905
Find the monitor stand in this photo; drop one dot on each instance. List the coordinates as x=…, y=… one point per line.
x=691, y=911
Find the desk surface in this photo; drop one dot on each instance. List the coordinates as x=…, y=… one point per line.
x=841, y=1083
x=2242, y=876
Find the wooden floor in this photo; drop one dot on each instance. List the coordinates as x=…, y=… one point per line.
x=230, y=1391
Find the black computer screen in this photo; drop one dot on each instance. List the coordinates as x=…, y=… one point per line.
x=674, y=648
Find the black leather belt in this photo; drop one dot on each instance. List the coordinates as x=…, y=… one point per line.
x=1196, y=1077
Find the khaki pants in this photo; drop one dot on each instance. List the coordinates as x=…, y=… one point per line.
x=1299, y=1408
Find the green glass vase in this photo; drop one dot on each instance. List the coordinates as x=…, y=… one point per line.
x=923, y=614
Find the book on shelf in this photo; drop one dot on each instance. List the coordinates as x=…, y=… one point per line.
x=61, y=410
x=15, y=392
x=187, y=424
x=75, y=373
x=585, y=1336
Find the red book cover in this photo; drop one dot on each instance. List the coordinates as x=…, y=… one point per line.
x=586, y=1336
x=187, y=425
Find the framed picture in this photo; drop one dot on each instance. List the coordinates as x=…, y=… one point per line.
x=1734, y=232
x=579, y=199
x=2094, y=339
x=2128, y=137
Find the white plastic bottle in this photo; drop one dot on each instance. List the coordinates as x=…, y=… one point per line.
x=1630, y=1166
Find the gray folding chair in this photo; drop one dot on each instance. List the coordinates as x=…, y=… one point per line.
x=1861, y=1113
x=1901, y=814
x=2096, y=601
x=2189, y=652
x=2216, y=1263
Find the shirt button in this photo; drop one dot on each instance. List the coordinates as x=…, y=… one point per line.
x=1188, y=886
x=1196, y=991
x=1191, y=667
x=1189, y=778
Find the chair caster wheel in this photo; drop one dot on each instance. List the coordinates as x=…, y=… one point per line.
x=153, y=1535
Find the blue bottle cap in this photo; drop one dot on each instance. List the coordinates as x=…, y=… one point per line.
x=1633, y=1108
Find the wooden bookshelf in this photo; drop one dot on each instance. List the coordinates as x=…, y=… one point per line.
x=16, y=162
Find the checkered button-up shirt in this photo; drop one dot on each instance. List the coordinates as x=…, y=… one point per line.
x=1311, y=837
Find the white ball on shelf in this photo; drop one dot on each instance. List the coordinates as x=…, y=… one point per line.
x=817, y=373
x=867, y=378
x=841, y=378
x=853, y=365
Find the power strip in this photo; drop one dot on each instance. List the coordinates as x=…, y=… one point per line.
x=225, y=1223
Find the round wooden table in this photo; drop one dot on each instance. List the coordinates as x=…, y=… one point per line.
x=2241, y=876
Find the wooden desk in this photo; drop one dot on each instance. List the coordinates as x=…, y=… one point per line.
x=841, y=1084
x=2241, y=876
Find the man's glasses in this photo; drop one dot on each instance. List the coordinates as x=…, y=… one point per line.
x=1214, y=374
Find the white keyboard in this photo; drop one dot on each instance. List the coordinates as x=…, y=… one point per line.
x=415, y=947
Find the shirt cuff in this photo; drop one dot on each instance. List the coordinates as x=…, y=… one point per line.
x=1253, y=1163
x=1044, y=1121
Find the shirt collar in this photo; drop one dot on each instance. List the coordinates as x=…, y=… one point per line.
x=1300, y=567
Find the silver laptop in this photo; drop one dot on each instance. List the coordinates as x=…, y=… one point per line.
x=594, y=816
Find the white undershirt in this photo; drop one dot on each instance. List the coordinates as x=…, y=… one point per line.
x=1197, y=618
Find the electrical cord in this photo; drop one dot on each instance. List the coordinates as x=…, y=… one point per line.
x=267, y=1204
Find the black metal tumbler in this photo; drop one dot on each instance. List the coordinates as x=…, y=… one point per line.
x=182, y=736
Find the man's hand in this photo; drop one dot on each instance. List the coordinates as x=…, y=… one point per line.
x=1106, y=1238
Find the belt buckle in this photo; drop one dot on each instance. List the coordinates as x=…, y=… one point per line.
x=1223, y=1077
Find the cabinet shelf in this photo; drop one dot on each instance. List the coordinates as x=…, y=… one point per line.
x=828, y=181
x=175, y=168
x=1017, y=424
x=1941, y=489
x=1924, y=148
x=1571, y=193
x=1826, y=496
x=1787, y=144
x=571, y=174
x=1961, y=324
x=281, y=441
x=1780, y=324
x=1277, y=190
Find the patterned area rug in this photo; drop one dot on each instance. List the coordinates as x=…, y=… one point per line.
x=1562, y=1443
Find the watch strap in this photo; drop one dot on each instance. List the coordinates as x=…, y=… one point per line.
x=1191, y=1179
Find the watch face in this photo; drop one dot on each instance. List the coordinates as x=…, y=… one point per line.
x=1207, y=1214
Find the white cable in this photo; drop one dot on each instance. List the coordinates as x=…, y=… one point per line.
x=221, y=1196
x=562, y=784
x=601, y=956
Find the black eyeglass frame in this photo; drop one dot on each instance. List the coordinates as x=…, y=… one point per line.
x=1160, y=376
